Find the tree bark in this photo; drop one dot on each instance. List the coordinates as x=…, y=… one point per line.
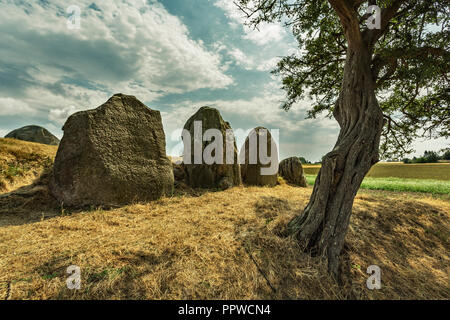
x=322, y=226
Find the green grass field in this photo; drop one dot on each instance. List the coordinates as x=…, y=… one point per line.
x=400, y=184
x=428, y=178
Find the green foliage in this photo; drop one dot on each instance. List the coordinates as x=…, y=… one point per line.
x=446, y=155
x=406, y=161
x=11, y=171
x=304, y=161
x=428, y=157
x=431, y=157
x=410, y=61
x=50, y=276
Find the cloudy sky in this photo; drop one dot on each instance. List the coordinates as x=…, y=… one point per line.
x=173, y=55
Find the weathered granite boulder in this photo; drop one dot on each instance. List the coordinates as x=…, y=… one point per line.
x=254, y=170
x=291, y=169
x=34, y=134
x=221, y=174
x=112, y=155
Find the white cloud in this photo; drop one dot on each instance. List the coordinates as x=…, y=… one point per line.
x=58, y=107
x=264, y=46
x=12, y=107
x=235, y=16
x=60, y=115
x=261, y=61
x=268, y=65
x=241, y=58
x=134, y=47
x=422, y=145
x=266, y=32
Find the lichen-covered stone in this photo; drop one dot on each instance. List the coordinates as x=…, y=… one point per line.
x=112, y=155
x=223, y=175
x=291, y=169
x=251, y=173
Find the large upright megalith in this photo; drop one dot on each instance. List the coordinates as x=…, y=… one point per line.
x=259, y=159
x=291, y=169
x=210, y=153
x=112, y=155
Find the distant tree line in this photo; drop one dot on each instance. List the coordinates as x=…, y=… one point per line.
x=304, y=161
x=430, y=157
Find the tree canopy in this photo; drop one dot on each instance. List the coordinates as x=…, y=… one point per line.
x=410, y=61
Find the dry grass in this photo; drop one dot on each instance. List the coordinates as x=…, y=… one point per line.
x=435, y=171
x=218, y=245
x=22, y=162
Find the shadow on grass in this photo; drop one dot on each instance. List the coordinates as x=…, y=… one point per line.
x=121, y=280
x=35, y=203
x=28, y=204
x=408, y=240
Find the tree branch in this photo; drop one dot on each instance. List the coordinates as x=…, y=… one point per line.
x=348, y=16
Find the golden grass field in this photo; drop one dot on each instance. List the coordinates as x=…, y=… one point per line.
x=213, y=245
x=434, y=171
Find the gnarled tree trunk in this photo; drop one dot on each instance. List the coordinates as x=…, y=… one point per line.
x=323, y=225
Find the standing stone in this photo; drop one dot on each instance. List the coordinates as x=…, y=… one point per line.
x=251, y=162
x=178, y=172
x=112, y=155
x=34, y=134
x=222, y=175
x=178, y=169
x=291, y=169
